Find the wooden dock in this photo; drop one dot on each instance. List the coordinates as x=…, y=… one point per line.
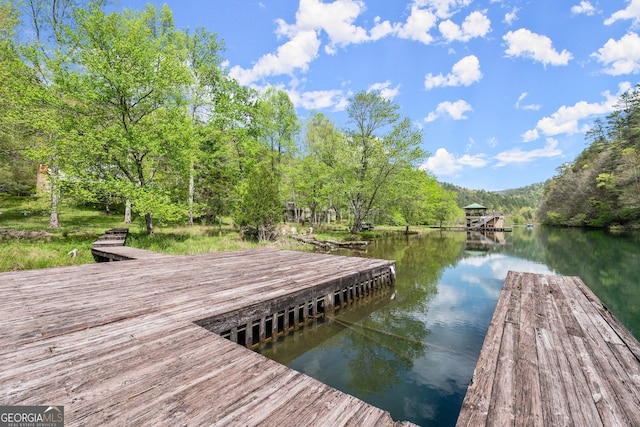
x=554, y=356
x=121, y=343
x=123, y=253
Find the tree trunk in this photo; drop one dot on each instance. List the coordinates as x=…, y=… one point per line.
x=191, y=192
x=54, y=218
x=358, y=215
x=219, y=213
x=127, y=212
x=149, y=223
x=54, y=189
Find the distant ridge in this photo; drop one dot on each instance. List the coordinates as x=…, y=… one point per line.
x=508, y=201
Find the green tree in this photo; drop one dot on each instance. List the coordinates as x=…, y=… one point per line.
x=48, y=53
x=229, y=150
x=128, y=90
x=260, y=208
x=411, y=202
x=277, y=129
x=204, y=100
x=378, y=146
x=310, y=186
x=315, y=184
x=278, y=125
x=629, y=180
x=444, y=206
x=17, y=173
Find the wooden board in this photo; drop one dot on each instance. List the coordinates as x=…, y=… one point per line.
x=118, y=344
x=554, y=355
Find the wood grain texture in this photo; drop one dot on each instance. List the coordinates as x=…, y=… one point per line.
x=554, y=356
x=117, y=343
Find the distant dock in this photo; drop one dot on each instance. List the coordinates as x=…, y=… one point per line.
x=554, y=356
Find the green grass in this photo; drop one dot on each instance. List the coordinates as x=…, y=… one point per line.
x=27, y=242
x=190, y=240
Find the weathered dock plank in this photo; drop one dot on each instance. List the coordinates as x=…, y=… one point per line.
x=554, y=355
x=120, y=344
x=109, y=251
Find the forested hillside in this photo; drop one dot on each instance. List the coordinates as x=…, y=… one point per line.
x=519, y=203
x=601, y=187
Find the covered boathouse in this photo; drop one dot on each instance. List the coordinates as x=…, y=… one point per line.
x=477, y=218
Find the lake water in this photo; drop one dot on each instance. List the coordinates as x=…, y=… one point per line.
x=414, y=354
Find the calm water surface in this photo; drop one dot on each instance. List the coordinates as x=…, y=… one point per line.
x=412, y=353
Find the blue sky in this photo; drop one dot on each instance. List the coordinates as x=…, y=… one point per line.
x=504, y=90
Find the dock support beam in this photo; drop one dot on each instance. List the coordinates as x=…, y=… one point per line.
x=296, y=311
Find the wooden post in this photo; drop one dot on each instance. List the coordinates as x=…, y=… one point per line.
x=274, y=326
x=305, y=312
x=328, y=302
x=248, y=335
x=262, y=333
x=285, y=320
x=296, y=316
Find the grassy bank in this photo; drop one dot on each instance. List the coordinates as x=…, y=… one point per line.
x=27, y=242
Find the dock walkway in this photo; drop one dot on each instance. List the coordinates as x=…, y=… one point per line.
x=119, y=344
x=554, y=356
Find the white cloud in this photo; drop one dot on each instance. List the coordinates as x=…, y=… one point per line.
x=343, y=103
x=381, y=29
x=524, y=43
x=443, y=8
x=530, y=135
x=385, y=90
x=444, y=163
x=463, y=73
x=517, y=155
x=521, y=98
x=566, y=120
x=500, y=264
x=335, y=18
x=424, y=16
x=418, y=25
x=297, y=53
x=585, y=7
x=622, y=56
x=475, y=25
x=511, y=17
x=319, y=99
x=455, y=109
x=477, y=161
x=334, y=100
x=632, y=11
